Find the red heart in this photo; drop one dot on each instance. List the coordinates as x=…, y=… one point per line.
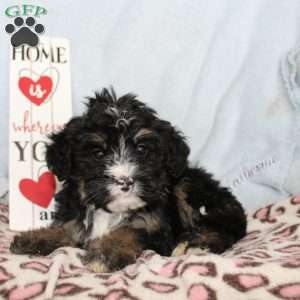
x=37, y=92
x=41, y=192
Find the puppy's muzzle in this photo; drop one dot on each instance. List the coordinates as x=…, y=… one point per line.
x=125, y=183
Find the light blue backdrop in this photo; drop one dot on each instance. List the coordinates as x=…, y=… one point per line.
x=210, y=67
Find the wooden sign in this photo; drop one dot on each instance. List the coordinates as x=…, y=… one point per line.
x=40, y=103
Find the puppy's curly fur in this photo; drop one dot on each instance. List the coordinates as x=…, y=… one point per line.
x=128, y=187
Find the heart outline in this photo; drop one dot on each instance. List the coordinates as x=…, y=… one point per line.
x=52, y=72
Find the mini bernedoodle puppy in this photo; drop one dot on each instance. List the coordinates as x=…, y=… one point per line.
x=128, y=187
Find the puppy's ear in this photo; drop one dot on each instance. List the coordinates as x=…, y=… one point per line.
x=178, y=154
x=177, y=151
x=58, y=153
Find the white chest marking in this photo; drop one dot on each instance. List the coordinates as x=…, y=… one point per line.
x=105, y=222
x=125, y=203
x=202, y=210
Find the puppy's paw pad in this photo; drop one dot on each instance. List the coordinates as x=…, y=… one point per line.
x=180, y=249
x=97, y=267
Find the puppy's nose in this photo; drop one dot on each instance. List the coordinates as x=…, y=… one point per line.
x=125, y=183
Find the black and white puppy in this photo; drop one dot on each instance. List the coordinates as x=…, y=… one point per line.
x=128, y=187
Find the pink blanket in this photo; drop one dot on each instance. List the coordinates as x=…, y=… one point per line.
x=264, y=265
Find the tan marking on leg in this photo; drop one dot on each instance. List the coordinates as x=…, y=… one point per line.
x=184, y=209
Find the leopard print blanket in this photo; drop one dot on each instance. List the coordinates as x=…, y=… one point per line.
x=263, y=265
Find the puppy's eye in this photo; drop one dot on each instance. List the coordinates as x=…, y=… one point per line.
x=98, y=153
x=141, y=149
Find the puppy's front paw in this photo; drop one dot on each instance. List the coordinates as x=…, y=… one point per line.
x=27, y=244
x=97, y=267
x=97, y=261
x=20, y=245
x=94, y=262
x=39, y=242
